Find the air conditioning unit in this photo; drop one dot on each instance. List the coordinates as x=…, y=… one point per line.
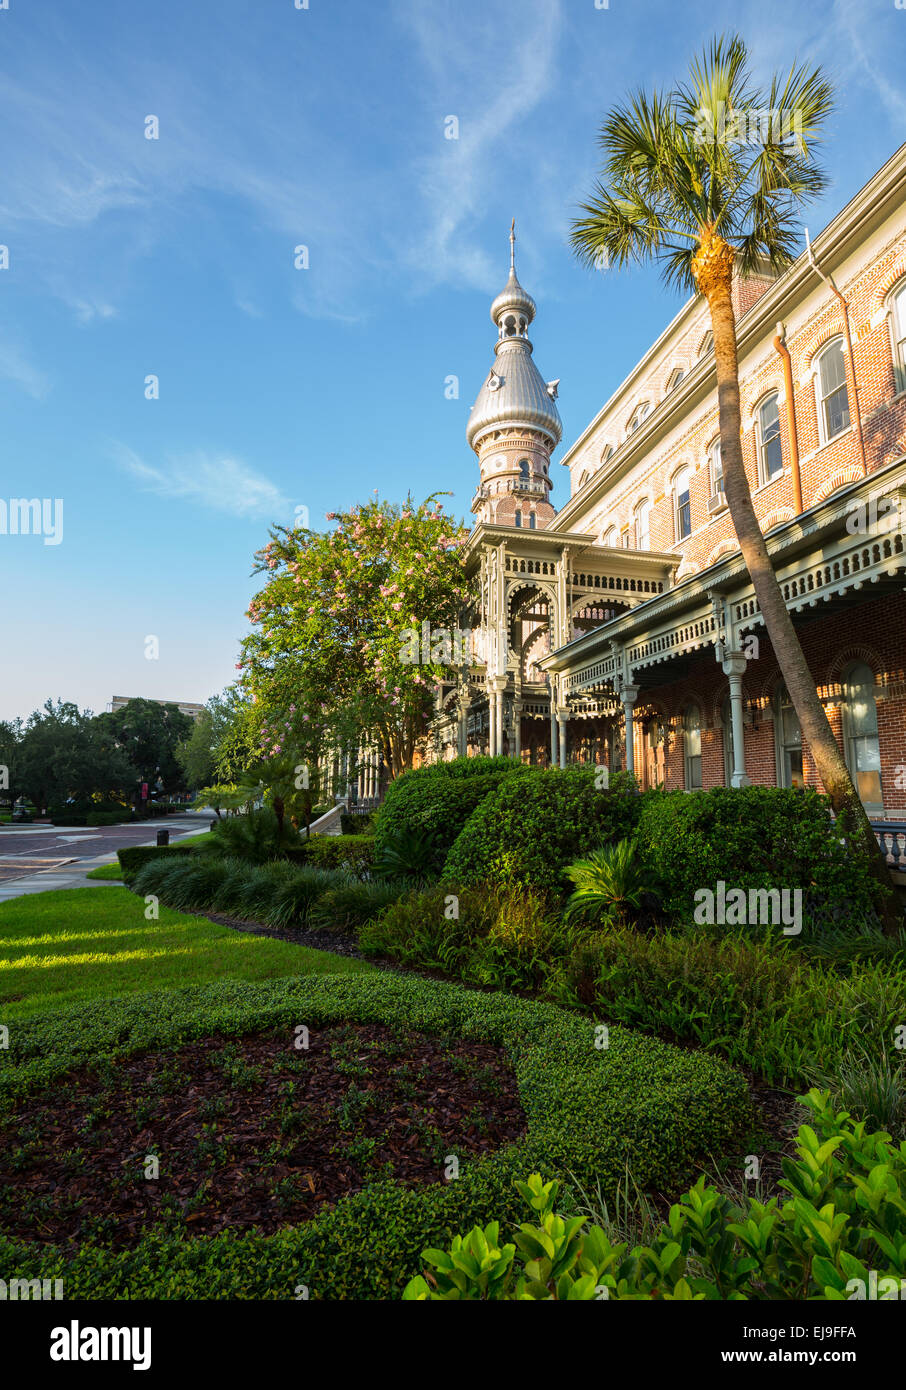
x=717, y=503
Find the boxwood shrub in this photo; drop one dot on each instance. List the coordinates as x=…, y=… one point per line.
x=436, y=802
x=590, y=1111
x=754, y=837
x=352, y=852
x=135, y=857
x=536, y=824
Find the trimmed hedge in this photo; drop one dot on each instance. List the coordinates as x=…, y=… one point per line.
x=536, y=824
x=590, y=1112
x=135, y=857
x=436, y=802
x=753, y=837
x=352, y=852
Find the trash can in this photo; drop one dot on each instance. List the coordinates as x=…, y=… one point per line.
x=163, y=837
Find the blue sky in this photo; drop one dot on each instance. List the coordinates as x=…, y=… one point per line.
x=280, y=387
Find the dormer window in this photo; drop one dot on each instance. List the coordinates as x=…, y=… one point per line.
x=675, y=378
x=638, y=415
x=706, y=345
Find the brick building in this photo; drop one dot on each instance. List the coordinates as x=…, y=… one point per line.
x=630, y=608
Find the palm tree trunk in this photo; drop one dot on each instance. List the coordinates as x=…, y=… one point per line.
x=713, y=270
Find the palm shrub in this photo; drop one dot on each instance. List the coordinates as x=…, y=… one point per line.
x=609, y=884
x=256, y=837
x=403, y=853
x=843, y=1220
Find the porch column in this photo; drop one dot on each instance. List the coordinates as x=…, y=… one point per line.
x=492, y=723
x=734, y=666
x=462, y=730
x=562, y=718
x=498, y=739
x=628, y=695
x=553, y=725
x=517, y=731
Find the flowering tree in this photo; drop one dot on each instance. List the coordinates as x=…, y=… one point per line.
x=353, y=629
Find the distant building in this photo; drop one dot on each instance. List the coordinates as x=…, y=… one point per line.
x=184, y=706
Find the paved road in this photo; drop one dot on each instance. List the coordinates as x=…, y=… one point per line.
x=37, y=858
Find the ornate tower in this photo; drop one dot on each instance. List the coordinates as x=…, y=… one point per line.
x=514, y=425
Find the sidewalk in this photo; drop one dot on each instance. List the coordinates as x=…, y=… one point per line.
x=72, y=874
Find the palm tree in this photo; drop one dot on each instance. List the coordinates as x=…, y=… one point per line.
x=680, y=187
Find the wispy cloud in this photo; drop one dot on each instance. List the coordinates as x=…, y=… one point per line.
x=217, y=482
x=492, y=102
x=16, y=366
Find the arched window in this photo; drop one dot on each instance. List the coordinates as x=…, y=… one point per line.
x=638, y=415
x=706, y=345
x=787, y=741
x=643, y=525
x=606, y=453
x=717, y=500
x=682, y=505
x=675, y=378
x=518, y=519
x=692, y=748
x=770, y=451
x=523, y=470
x=833, y=396
x=860, y=735
x=898, y=329
x=608, y=537
x=532, y=520
x=584, y=479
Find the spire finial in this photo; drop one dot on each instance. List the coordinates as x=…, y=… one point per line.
x=513, y=246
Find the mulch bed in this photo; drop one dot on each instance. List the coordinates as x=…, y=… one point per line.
x=250, y=1133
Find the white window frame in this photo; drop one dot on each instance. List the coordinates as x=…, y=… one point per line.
x=715, y=467
x=686, y=473
x=820, y=400
x=896, y=304
x=763, y=475
x=642, y=513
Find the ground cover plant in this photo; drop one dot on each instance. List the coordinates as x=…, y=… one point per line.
x=588, y=1110
x=842, y=1223
x=93, y=944
x=793, y=1017
x=254, y=1133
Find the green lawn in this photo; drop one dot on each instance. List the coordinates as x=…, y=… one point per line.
x=76, y=945
x=107, y=871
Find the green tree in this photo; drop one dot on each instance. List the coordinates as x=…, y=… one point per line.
x=149, y=734
x=680, y=187
x=354, y=627
x=66, y=753
x=198, y=753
